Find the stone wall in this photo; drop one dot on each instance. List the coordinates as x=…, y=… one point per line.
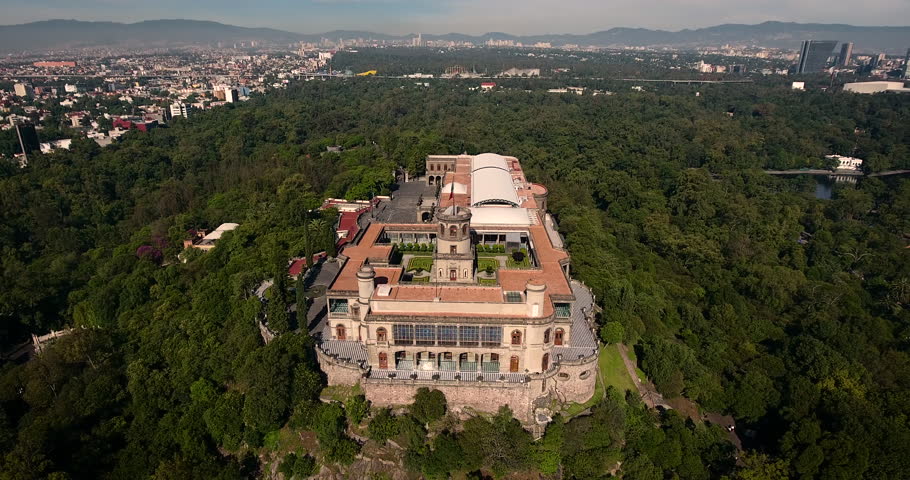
x=339, y=373
x=486, y=397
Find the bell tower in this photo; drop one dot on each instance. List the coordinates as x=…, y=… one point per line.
x=453, y=260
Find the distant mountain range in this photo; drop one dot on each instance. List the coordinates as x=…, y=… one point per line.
x=61, y=34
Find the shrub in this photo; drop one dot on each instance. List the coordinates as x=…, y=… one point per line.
x=518, y=256
x=297, y=466
x=357, y=408
x=383, y=426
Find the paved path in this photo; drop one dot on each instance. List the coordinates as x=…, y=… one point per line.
x=646, y=389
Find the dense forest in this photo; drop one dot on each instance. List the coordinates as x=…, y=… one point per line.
x=738, y=291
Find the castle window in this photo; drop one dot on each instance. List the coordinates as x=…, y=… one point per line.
x=340, y=332
x=585, y=374
x=453, y=249
x=383, y=360
x=425, y=334
x=545, y=362
x=563, y=376
x=442, y=229
x=513, y=364
x=491, y=336
x=563, y=310
x=381, y=335
x=516, y=338
x=403, y=334
x=339, y=305
x=468, y=336
x=546, y=336
x=464, y=229
x=557, y=340
x=453, y=230
x=447, y=334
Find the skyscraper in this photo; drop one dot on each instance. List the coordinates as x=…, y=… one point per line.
x=813, y=56
x=907, y=64
x=846, y=51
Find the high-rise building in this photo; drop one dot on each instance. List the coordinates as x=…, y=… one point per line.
x=878, y=61
x=813, y=56
x=231, y=95
x=28, y=141
x=179, y=109
x=907, y=64
x=846, y=51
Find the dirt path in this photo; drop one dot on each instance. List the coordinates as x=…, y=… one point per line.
x=646, y=389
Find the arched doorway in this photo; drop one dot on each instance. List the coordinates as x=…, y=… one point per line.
x=545, y=362
x=340, y=332
x=557, y=338
x=447, y=362
x=383, y=360
x=467, y=362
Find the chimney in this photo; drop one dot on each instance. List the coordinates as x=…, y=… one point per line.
x=534, y=296
x=365, y=286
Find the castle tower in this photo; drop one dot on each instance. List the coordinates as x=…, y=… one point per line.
x=453, y=260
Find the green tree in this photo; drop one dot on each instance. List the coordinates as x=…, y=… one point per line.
x=429, y=405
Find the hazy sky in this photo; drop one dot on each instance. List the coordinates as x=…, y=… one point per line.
x=466, y=16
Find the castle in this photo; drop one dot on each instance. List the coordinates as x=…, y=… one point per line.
x=473, y=298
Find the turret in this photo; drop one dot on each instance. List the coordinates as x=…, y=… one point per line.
x=454, y=258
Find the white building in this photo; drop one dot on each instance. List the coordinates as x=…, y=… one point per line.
x=798, y=86
x=231, y=95
x=875, y=87
x=846, y=163
x=23, y=90
x=68, y=88
x=179, y=109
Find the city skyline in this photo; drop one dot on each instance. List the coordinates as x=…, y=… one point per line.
x=464, y=16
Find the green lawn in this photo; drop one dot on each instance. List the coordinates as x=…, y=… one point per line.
x=487, y=282
x=420, y=279
x=612, y=370
x=524, y=263
x=483, y=263
x=425, y=263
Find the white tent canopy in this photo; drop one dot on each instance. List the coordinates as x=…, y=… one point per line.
x=491, y=182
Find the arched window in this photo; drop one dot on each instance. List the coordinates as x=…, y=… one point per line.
x=464, y=229
x=442, y=229
x=545, y=362
x=546, y=336
x=516, y=338
x=513, y=363
x=557, y=338
x=381, y=335
x=383, y=360
x=432, y=179
x=453, y=230
x=340, y=333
